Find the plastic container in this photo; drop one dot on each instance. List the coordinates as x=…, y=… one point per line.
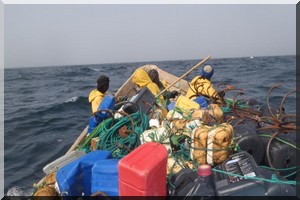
x=201, y=101
x=246, y=144
x=107, y=103
x=182, y=182
x=246, y=137
x=74, y=179
x=243, y=164
x=204, y=170
x=144, y=99
x=275, y=189
x=171, y=106
x=105, y=177
x=186, y=103
x=143, y=171
x=203, y=185
x=281, y=155
x=62, y=161
x=189, y=183
x=92, y=124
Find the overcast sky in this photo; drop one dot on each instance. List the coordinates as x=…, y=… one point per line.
x=49, y=35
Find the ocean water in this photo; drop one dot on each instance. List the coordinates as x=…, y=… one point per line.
x=46, y=108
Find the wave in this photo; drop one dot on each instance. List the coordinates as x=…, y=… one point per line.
x=17, y=191
x=72, y=105
x=97, y=68
x=94, y=69
x=18, y=77
x=73, y=99
x=89, y=69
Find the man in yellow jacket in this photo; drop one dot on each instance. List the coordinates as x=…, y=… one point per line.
x=154, y=76
x=142, y=79
x=96, y=96
x=201, y=85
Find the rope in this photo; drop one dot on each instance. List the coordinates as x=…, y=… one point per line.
x=109, y=138
x=296, y=168
x=281, y=140
x=273, y=179
x=185, y=113
x=229, y=104
x=291, y=174
x=95, y=133
x=282, y=169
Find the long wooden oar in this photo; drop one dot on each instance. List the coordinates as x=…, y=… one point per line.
x=184, y=75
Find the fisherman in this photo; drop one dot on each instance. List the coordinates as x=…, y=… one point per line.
x=142, y=79
x=96, y=96
x=153, y=74
x=201, y=85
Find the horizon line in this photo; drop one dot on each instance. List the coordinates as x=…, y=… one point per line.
x=140, y=61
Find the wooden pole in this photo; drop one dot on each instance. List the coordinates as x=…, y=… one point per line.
x=184, y=75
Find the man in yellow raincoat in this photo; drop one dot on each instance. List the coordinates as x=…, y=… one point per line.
x=154, y=76
x=201, y=85
x=142, y=79
x=96, y=96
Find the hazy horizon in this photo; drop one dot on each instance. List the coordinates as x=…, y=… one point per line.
x=60, y=35
x=87, y=64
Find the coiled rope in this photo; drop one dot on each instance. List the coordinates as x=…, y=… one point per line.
x=110, y=139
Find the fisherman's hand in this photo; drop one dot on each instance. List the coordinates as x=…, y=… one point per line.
x=174, y=94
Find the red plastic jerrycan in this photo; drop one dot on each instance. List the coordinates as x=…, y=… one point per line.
x=143, y=171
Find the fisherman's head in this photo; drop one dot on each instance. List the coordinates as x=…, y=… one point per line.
x=102, y=83
x=207, y=71
x=153, y=74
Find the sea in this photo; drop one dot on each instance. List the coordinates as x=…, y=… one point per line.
x=46, y=108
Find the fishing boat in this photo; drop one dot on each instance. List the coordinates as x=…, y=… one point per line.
x=178, y=170
x=129, y=89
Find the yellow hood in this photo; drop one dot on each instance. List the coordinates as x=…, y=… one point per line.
x=95, y=98
x=141, y=78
